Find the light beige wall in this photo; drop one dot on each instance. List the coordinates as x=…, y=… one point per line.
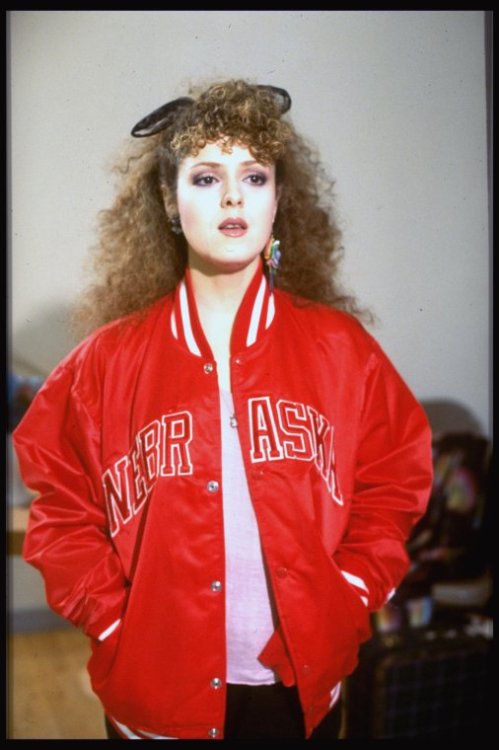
x=395, y=101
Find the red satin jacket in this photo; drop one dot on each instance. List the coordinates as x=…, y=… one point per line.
x=122, y=446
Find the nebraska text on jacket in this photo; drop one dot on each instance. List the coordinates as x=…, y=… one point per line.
x=163, y=448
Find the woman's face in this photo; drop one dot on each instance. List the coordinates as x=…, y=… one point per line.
x=227, y=202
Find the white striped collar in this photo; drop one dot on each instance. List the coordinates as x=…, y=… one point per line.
x=254, y=317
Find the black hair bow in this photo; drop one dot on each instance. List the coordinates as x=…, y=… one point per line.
x=160, y=118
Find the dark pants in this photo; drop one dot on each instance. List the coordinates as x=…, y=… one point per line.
x=267, y=712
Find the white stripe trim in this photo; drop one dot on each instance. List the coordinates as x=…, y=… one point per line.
x=391, y=594
x=355, y=580
x=109, y=630
x=358, y=583
x=335, y=694
x=173, y=324
x=186, y=321
x=151, y=736
x=256, y=313
x=132, y=736
x=127, y=732
x=270, y=311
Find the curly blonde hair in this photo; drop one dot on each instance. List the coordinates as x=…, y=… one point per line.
x=139, y=258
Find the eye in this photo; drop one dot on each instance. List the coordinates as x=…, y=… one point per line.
x=257, y=178
x=204, y=180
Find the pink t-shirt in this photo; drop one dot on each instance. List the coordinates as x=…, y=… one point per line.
x=250, y=619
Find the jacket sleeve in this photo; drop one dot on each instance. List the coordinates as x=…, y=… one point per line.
x=58, y=447
x=393, y=477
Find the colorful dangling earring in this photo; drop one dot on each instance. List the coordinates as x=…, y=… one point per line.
x=272, y=256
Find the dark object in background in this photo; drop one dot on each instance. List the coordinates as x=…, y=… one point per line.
x=452, y=541
x=22, y=390
x=427, y=672
x=422, y=684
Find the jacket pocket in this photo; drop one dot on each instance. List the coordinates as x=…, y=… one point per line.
x=358, y=618
x=103, y=657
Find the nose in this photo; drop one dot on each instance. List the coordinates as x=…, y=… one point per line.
x=232, y=195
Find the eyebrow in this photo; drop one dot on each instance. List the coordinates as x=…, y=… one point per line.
x=215, y=164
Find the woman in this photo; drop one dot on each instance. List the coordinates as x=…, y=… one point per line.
x=228, y=466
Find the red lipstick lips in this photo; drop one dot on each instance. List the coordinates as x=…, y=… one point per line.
x=233, y=227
